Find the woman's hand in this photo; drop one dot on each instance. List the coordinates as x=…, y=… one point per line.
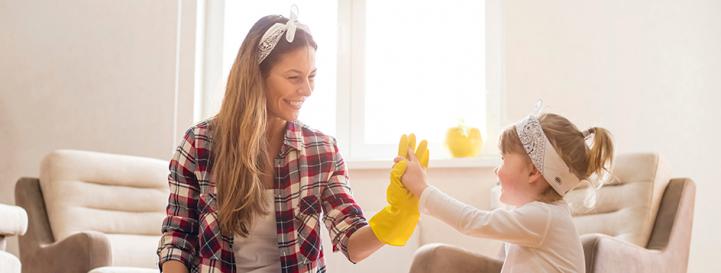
x=394, y=224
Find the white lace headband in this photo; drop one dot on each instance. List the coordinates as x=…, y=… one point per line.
x=544, y=155
x=271, y=37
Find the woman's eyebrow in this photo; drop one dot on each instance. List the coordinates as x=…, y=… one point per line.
x=293, y=70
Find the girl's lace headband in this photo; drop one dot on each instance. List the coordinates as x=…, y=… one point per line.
x=544, y=155
x=272, y=35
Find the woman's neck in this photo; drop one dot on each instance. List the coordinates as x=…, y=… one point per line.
x=275, y=131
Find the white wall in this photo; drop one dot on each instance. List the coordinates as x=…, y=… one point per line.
x=91, y=75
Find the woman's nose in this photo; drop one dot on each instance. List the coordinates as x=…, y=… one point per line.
x=495, y=171
x=306, y=88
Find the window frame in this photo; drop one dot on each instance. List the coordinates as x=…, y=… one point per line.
x=350, y=99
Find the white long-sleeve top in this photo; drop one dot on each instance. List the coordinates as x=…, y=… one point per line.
x=540, y=237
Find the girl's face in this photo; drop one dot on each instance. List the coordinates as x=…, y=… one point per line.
x=289, y=82
x=516, y=176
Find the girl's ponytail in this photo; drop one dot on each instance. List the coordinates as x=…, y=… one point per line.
x=600, y=156
x=601, y=150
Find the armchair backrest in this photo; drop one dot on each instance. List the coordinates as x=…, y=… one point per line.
x=121, y=196
x=627, y=205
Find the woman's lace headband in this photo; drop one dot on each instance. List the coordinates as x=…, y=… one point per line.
x=271, y=37
x=544, y=155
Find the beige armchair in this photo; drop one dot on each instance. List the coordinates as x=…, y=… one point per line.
x=14, y=222
x=93, y=211
x=666, y=251
x=641, y=222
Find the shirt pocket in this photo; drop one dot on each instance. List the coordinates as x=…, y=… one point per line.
x=307, y=223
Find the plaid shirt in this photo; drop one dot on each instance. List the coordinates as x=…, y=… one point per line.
x=310, y=178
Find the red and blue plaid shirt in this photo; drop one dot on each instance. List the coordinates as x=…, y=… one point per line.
x=310, y=180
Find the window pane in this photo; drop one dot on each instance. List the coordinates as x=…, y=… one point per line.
x=425, y=68
x=321, y=17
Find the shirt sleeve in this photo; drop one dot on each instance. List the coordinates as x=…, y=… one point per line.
x=527, y=225
x=180, y=226
x=342, y=216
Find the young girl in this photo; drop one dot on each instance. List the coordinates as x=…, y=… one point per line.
x=543, y=158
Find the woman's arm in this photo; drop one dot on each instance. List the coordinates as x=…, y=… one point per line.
x=174, y=266
x=393, y=225
x=362, y=244
x=178, y=242
x=343, y=218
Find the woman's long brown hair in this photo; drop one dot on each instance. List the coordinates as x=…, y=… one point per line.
x=240, y=146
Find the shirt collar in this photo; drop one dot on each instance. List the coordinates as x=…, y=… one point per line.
x=293, y=135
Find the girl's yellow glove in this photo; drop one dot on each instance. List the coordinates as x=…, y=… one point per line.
x=394, y=224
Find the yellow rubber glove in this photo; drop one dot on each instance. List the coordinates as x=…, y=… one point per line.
x=394, y=224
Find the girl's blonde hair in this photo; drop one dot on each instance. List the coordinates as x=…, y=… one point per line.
x=240, y=147
x=570, y=143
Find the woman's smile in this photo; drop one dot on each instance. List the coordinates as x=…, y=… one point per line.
x=295, y=104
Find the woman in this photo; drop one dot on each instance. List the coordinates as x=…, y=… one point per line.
x=249, y=186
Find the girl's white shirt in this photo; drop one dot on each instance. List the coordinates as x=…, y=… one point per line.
x=540, y=237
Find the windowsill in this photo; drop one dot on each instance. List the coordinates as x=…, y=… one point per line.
x=483, y=161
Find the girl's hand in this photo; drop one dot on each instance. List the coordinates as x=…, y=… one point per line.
x=414, y=179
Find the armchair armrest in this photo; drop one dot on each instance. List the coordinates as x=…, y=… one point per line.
x=9, y=263
x=80, y=252
x=15, y=220
x=39, y=250
x=668, y=249
x=608, y=254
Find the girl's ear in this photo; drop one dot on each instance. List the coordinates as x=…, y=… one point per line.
x=534, y=175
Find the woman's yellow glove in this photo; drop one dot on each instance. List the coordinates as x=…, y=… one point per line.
x=394, y=224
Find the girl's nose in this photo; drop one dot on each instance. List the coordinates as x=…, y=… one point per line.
x=495, y=171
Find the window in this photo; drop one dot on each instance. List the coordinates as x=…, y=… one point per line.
x=384, y=68
x=424, y=72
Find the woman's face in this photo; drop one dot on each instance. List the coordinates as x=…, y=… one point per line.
x=289, y=82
